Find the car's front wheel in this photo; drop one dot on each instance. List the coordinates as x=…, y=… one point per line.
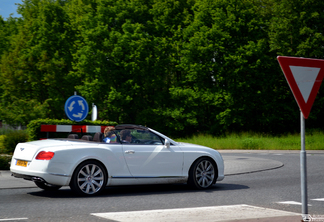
x=89, y=178
x=203, y=173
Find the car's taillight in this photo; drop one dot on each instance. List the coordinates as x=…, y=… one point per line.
x=43, y=155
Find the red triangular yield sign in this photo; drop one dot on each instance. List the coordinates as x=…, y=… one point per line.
x=304, y=77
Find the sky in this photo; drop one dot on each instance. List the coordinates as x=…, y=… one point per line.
x=7, y=7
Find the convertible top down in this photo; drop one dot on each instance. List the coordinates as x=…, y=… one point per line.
x=124, y=155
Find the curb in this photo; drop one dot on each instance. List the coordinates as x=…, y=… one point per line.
x=272, y=151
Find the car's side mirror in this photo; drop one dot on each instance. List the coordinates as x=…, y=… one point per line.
x=167, y=143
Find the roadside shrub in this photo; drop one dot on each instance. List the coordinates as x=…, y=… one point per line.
x=2, y=150
x=5, y=131
x=4, y=162
x=12, y=139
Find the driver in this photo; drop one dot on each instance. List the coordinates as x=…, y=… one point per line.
x=126, y=136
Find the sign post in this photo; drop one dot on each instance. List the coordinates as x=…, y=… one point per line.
x=303, y=170
x=304, y=77
x=94, y=112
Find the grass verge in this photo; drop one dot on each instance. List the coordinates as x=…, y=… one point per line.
x=254, y=141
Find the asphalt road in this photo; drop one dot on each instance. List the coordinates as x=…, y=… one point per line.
x=268, y=180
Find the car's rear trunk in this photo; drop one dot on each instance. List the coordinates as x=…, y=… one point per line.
x=27, y=151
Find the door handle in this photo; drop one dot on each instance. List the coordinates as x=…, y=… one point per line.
x=129, y=151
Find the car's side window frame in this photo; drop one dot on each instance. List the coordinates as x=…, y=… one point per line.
x=138, y=137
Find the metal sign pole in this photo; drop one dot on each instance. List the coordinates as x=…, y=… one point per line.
x=303, y=170
x=304, y=77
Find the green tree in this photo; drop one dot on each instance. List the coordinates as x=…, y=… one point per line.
x=296, y=30
x=8, y=28
x=35, y=69
x=126, y=56
x=178, y=66
x=230, y=77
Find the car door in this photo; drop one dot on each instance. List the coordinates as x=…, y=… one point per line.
x=147, y=156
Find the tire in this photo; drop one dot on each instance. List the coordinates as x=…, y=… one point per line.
x=89, y=178
x=47, y=187
x=202, y=174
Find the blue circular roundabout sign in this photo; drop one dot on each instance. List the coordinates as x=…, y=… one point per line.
x=76, y=108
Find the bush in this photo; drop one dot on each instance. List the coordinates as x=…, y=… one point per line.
x=2, y=150
x=5, y=131
x=4, y=162
x=11, y=140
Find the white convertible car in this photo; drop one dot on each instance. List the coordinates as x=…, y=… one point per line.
x=132, y=155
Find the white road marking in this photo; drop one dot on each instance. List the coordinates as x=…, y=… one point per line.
x=208, y=214
x=292, y=203
x=319, y=199
x=14, y=219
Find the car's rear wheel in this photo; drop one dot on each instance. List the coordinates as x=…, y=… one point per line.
x=89, y=178
x=47, y=187
x=203, y=173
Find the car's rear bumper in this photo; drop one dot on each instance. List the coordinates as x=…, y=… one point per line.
x=50, y=178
